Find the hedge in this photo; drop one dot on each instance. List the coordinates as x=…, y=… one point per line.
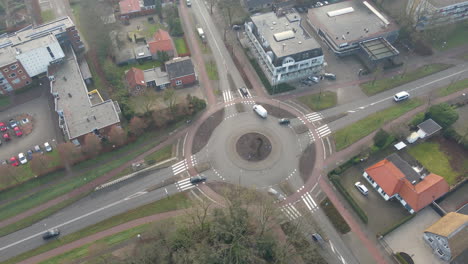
x=398, y=224
x=400, y=258
x=335, y=179
x=335, y=216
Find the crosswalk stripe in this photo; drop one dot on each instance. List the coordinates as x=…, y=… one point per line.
x=179, y=167
x=312, y=117
x=323, y=131
x=288, y=215
x=309, y=201
x=185, y=184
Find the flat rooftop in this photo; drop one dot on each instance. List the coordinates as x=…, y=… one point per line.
x=273, y=28
x=156, y=75
x=350, y=21
x=442, y=3
x=80, y=115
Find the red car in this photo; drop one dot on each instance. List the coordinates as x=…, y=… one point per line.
x=14, y=161
x=18, y=131
x=6, y=137
x=3, y=127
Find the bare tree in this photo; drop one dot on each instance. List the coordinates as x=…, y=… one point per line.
x=378, y=72
x=150, y=98
x=199, y=213
x=117, y=136
x=212, y=3
x=7, y=175
x=92, y=145
x=228, y=7
x=137, y=125
x=69, y=153
x=159, y=118
x=170, y=98
x=40, y=163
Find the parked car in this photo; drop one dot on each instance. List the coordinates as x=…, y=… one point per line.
x=244, y=91
x=284, y=121
x=22, y=158
x=37, y=149
x=329, y=76
x=317, y=237
x=47, y=147
x=401, y=96
x=325, y=2
x=51, y=233
x=14, y=161
x=361, y=188
x=13, y=123
x=197, y=179
x=277, y=194
x=315, y=79
x=18, y=131
x=4, y=162
x=29, y=154
x=6, y=137
x=3, y=127
x=236, y=27
x=189, y=3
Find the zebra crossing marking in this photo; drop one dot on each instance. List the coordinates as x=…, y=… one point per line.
x=227, y=96
x=313, y=117
x=323, y=131
x=179, y=167
x=309, y=201
x=290, y=211
x=184, y=185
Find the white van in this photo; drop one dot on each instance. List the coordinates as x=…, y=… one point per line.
x=401, y=96
x=189, y=3
x=260, y=111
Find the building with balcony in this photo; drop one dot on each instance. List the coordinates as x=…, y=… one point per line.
x=282, y=48
x=432, y=13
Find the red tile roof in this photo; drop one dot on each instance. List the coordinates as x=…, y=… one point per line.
x=422, y=194
x=392, y=181
x=129, y=6
x=135, y=77
x=387, y=176
x=162, y=42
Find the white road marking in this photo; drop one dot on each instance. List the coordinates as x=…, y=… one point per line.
x=184, y=185
x=179, y=167
x=331, y=245
x=290, y=211
x=71, y=221
x=193, y=159
x=309, y=201
x=323, y=131
x=312, y=117
x=135, y=195
x=183, y=145
x=311, y=136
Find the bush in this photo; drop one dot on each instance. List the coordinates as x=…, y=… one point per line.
x=381, y=138
x=444, y=114
x=334, y=216
x=417, y=119
x=335, y=179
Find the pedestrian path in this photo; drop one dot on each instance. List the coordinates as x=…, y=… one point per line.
x=290, y=211
x=313, y=117
x=179, y=167
x=323, y=131
x=309, y=201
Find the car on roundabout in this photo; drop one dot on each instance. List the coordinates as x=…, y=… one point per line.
x=197, y=179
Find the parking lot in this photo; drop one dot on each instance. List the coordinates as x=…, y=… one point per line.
x=44, y=126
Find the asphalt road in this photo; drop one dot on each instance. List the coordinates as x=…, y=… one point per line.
x=92, y=209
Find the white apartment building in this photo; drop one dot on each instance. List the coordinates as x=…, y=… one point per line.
x=283, y=49
x=431, y=13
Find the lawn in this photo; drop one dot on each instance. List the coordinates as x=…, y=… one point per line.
x=465, y=56
x=5, y=101
x=453, y=87
x=354, y=132
x=456, y=37
x=47, y=15
x=211, y=70
x=160, y=155
x=175, y=202
x=335, y=217
x=319, y=101
x=433, y=159
x=142, y=66
x=150, y=29
x=371, y=87
x=180, y=45
x=109, y=163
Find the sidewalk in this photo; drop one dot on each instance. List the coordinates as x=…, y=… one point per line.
x=111, y=231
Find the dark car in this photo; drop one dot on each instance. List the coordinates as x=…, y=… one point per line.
x=244, y=91
x=13, y=123
x=3, y=127
x=51, y=233
x=29, y=154
x=317, y=238
x=284, y=121
x=197, y=179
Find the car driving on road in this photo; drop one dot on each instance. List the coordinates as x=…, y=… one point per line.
x=51, y=233
x=197, y=179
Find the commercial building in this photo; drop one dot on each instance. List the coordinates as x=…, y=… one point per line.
x=257, y=5
x=355, y=27
x=30, y=51
x=431, y=13
x=395, y=178
x=80, y=112
x=282, y=48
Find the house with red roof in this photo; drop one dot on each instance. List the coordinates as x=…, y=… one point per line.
x=162, y=41
x=135, y=81
x=134, y=8
x=138, y=80
x=395, y=178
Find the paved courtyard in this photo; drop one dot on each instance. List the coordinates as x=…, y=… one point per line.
x=408, y=238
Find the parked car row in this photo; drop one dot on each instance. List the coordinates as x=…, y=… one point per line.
x=311, y=80
x=24, y=158
x=12, y=125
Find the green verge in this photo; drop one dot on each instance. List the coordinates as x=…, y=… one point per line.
x=334, y=216
x=211, y=70
x=354, y=132
x=319, y=101
x=5, y=101
x=436, y=161
x=180, y=45
x=371, y=87
x=47, y=15
x=453, y=87
x=335, y=179
x=175, y=202
x=456, y=37
x=160, y=155
x=143, y=143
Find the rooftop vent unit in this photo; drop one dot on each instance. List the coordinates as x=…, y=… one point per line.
x=340, y=12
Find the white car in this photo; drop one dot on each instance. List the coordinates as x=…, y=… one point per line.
x=361, y=188
x=22, y=158
x=401, y=96
x=47, y=147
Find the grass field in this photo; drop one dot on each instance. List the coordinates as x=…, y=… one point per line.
x=142, y=66
x=453, y=87
x=352, y=133
x=5, y=101
x=180, y=46
x=160, y=155
x=371, y=87
x=318, y=102
x=433, y=159
x=211, y=70
x=47, y=15
x=175, y=202
x=455, y=37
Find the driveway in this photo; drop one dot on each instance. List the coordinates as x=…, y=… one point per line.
x=408, y=238
x=45, y=127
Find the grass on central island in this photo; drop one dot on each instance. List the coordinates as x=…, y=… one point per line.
x=320, y=101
